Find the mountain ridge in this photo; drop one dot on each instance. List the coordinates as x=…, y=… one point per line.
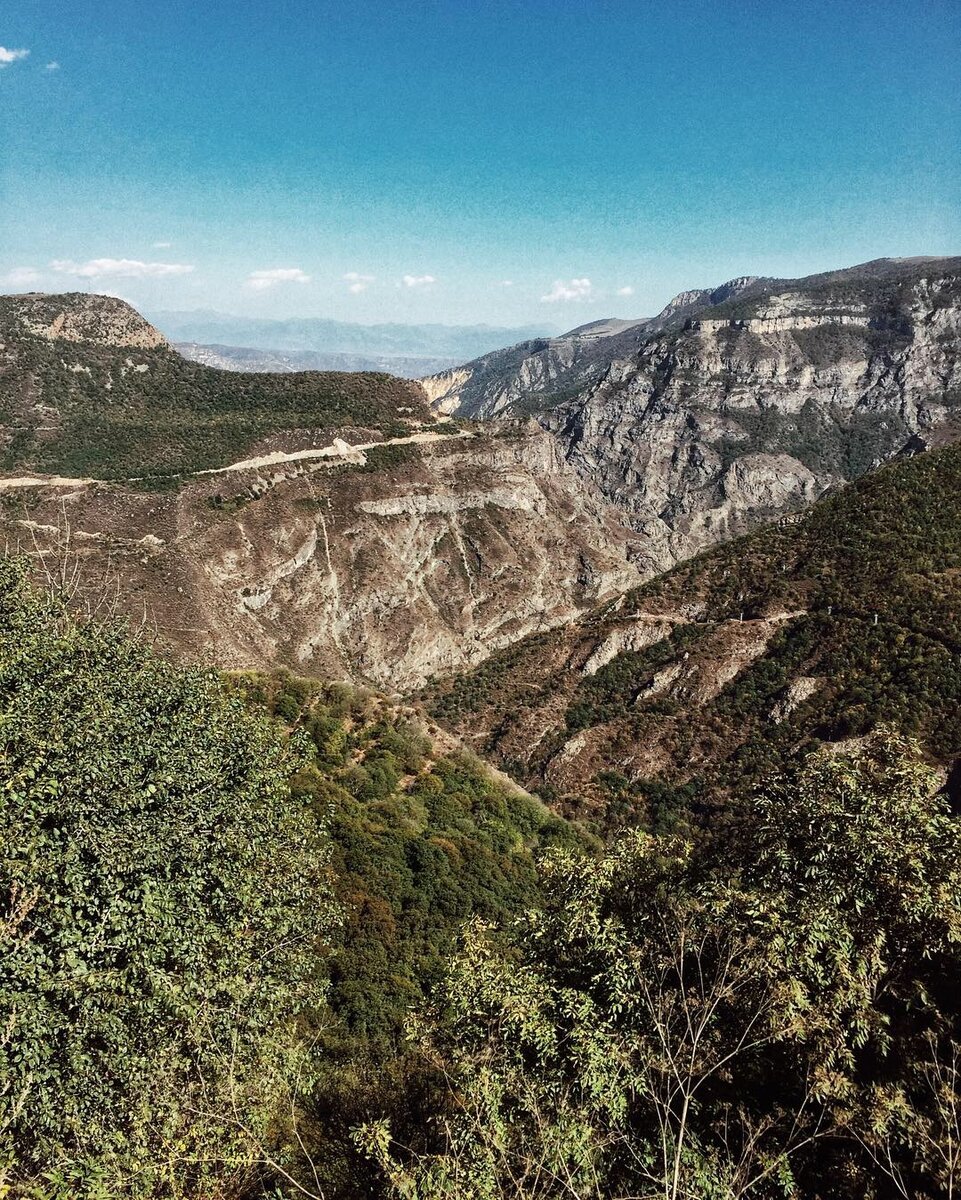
x=358, y=534
x=250, y=358
x=330, y=336
x=813, y=629
x=739, y=403
x=492, y=392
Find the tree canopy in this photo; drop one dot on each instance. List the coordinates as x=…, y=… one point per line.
x=783, y=1022
x=167, y=905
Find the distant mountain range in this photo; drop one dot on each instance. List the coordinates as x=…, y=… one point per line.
x=541, y=373
x=250, y=358
x=449, y=343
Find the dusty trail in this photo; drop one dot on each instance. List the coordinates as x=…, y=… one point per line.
x=31, y=481
x=338, y=449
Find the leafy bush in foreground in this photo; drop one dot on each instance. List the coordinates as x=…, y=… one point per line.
x=167, y=902
x=783, y=1023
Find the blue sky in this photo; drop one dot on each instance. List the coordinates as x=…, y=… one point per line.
x=464, y=161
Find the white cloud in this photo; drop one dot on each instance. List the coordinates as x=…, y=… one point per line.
x=18, y=276
x=161, y=245
x=52, y=66
x=10, y=56
x=119, y=268
x=358, y=283
x=507, y=283
x=260, y=281
x=416, y=281
x=625, y=291
x=575, y=289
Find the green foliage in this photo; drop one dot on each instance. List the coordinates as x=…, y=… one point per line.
x=502, y=673
x=824, y=439
x=383, y=458
x=423, y=841
x=168, y=906
x=680, y=1025
x=114, y=421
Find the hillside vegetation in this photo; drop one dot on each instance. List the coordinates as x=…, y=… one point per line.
x=117, y=412
x=164, y=908
x=498, y=1011
x=188, y=861
x=779, y=1020
x=422, y=838
x=816, y=630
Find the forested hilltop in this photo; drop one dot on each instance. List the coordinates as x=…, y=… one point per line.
x=89, y=388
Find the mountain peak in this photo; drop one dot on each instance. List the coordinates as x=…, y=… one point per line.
x=80, y=317
x=733, y=287
x=705, y=297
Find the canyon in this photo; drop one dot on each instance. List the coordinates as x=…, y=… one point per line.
x=392, y=532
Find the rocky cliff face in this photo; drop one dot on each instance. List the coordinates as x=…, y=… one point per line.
x=546, y=371
x=730, y=421
x=387, y=566
x=327, y=521
x=79, y=317
x=743, y=402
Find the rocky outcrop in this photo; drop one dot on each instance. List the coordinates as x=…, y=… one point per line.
x=549, y=370
x=78, y=317
x=442, y=389
x=389, y=575
x=741, y=403
x=725, y=423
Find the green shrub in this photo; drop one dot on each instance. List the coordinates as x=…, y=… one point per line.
x=679, y=1024
x=176, y=904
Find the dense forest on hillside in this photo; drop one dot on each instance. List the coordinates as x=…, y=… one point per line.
x=164, y=908
x=165, y=831
x=421, y=841
x=119, y=413
x=851, y=617
x=780, y=1020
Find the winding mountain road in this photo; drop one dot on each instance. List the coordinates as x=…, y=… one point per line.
x=338, y=449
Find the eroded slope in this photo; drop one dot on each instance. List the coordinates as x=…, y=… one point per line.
x=817, y=627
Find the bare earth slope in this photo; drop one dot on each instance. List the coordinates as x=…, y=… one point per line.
x=392, y=564
x=813, y=628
